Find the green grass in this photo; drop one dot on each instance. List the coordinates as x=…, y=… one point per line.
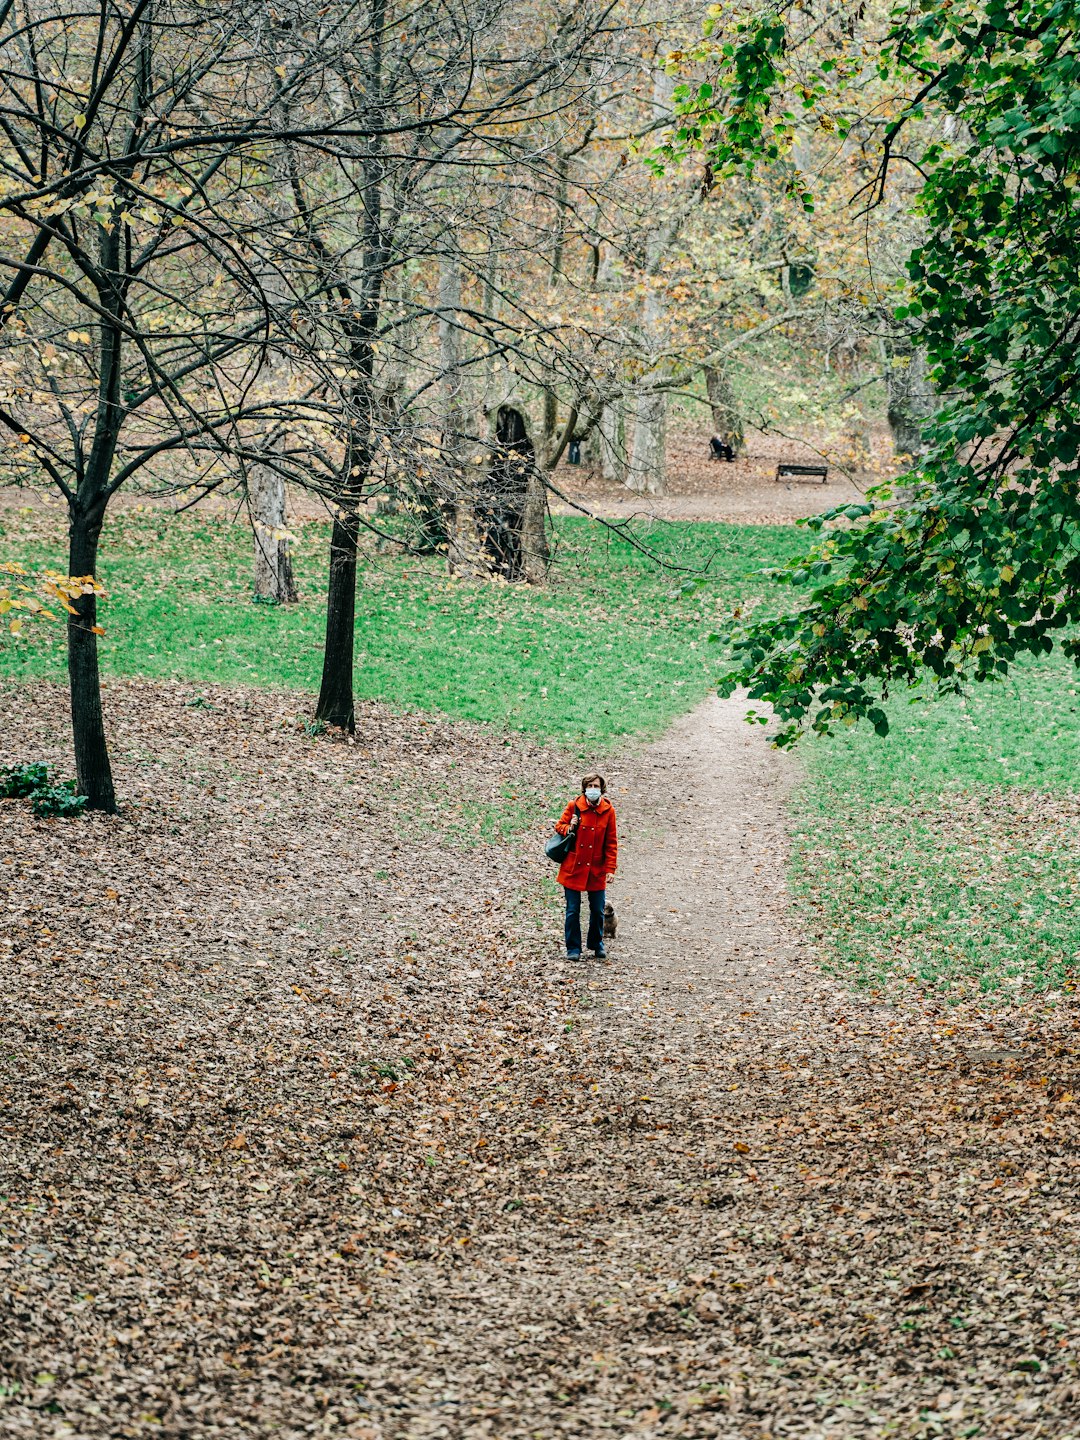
x=612, y=648
x=943, y=857
x=948, y=855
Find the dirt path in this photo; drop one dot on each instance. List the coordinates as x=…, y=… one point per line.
x=781, y=1211
x=744, y=492
x=703, y=895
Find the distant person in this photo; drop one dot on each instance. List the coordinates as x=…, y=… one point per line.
x=719, y=449
x=590, y=866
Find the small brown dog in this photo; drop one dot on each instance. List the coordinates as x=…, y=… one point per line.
x=610, y=922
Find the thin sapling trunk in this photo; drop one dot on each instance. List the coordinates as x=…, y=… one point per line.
x=336, y=705
x=92, y=769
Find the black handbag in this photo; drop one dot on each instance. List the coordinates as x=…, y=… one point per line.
x=559, y=846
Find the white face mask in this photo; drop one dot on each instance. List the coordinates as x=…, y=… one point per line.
x=592, y=794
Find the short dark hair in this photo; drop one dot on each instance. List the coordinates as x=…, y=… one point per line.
x=599, y=780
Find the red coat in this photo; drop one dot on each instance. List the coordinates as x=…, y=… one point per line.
x=596, y=853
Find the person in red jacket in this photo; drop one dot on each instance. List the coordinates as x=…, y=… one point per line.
x=590, y=865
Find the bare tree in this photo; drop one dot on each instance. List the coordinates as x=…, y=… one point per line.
x=138, y=320
x=409, y=231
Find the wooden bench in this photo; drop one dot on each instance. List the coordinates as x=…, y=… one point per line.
x=808, y=472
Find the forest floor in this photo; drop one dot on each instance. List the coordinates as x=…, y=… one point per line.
x=310, y=1130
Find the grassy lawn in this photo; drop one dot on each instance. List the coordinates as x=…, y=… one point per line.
x=613, y=648
x=945, y=856
x=948, y=855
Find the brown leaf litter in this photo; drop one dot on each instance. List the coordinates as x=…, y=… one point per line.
x=309, y=1132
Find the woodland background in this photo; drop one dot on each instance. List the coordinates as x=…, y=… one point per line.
x=358, y=370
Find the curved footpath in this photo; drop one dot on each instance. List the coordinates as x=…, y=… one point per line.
x=792, y=1213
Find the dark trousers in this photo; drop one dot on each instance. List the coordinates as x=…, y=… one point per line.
x=597, y=899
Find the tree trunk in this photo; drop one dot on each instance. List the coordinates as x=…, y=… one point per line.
x=464, y=545
x=910, y=395
x=535, y=552
x=858, y=451
x=488, y=388
x=727, y=422
x=272, y=572
x=612, y=440
x=509, y=503
x=274, y=582
x=359, y=323
x=549, y=422
x=648, y=469
x=465, y=551
x=86, y=515
x=94, y=774
x=335, y=705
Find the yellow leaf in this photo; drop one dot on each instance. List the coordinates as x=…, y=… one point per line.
x=97, y=629
x=983, y=643
x=16, y=626
x=80, y=121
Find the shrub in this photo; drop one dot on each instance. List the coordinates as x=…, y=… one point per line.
x=46, y=796
x=19, y=781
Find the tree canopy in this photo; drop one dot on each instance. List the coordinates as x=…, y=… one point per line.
x=975, y=561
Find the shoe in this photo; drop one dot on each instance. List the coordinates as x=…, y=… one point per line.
x=600, y=953
x=573, y=955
